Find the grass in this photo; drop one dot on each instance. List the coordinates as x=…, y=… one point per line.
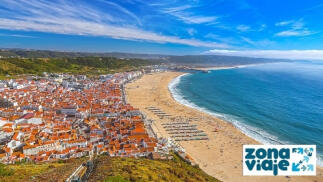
x=131, y=169
x=108, y=170
x=115, y=179
x=24, y=172
x=4, y=171
x=51, y=171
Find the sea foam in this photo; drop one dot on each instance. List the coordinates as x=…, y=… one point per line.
x=256, y=133
x=253, y=132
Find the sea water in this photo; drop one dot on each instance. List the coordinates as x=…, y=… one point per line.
x=276, y=103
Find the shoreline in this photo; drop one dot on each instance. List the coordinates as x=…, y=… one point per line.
x=211, y=68
x=220, y=156
x=242, y=127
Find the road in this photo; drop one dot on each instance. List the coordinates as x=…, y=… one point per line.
x=82, y=173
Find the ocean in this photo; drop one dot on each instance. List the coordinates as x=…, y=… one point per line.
x=275, y=103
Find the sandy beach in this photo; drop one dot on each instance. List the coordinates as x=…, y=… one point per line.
x=221, y=155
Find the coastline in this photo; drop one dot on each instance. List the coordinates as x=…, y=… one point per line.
x=252, y=132
x=220, y=156
x=225, y=67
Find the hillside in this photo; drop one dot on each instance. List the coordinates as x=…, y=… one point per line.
x=131, y=169
x=30, y=172
x=217, y=60
x=108, y=170
x=63, y=54
x=187, y=60
x=78, y=65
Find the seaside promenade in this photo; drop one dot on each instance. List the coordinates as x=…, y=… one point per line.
x=220, y=155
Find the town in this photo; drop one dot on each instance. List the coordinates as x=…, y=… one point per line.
x=62, y=116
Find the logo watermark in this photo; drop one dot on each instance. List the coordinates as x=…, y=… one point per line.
x=279, y=160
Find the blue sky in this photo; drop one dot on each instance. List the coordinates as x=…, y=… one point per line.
x=255, y=28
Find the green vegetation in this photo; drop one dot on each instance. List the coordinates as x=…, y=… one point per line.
x=108, y=170
x=4, y=171
x=115, y=179
x=24, y=53
x=188, y=60
x=25, y=171
x=80, y=65
x=131, y=169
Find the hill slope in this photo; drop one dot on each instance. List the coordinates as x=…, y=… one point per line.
x=29, y=172
x=79, y=65
x=131, y=169
x=188, y=60
x=108, y=169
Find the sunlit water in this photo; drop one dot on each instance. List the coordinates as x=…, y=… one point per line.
x=280, y=103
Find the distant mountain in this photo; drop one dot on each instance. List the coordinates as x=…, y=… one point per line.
x=217, y=60
x=29, y=53
x=187, y=60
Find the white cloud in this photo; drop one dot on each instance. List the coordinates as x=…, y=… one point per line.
x=295, y=28
x=82, y=19
x=284, y=23
x=246, y=28
x=258, y=43
x=293, y=24
x=243, y=28
x=276, y=54
x=17, y=35
x=212, y=36
x=192, y=19
x=227, y=40
x=178, y=8
x=123, y=10
x=295, y=33
x=262, y=27
x=187, y=17
x=76, y=27
x=316, y=7
x=191, y=31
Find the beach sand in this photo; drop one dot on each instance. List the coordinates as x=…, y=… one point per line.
x=221, y=155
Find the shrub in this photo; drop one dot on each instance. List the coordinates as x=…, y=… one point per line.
x=5, y=171
x=115, y=179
